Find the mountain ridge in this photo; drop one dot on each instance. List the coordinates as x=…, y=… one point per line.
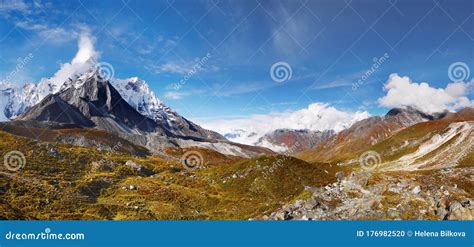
x=92, y=102
x=366, y=133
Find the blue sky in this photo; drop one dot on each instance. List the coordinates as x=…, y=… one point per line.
x=329, y=45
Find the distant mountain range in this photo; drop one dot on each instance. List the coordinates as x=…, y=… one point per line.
x=361, y=133
x=293, y=141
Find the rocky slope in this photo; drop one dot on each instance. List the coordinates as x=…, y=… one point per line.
x=437, y=195
x=436, y=151
x=138, y=94
x=425, y=171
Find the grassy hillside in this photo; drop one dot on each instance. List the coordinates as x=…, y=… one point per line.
x=62, y=181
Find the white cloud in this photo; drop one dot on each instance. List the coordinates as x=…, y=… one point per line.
x=86, y=49
x=86, y=52
x=402, y=92
x=317, y=116
x=457, y=89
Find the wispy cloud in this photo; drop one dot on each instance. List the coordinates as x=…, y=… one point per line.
x=241, y=88
x=332, y=84
x=173, y=67
x=290, y=34
x=177, y=95
x=50, y=33
x=34, y=17
x=161, y=44
x=140, y=41
x=13, y=5
x=218, y=90
x=340, y=81
x=184, y=68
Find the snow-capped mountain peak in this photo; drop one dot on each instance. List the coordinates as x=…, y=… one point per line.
x=138, y=94
x=135, y=91
x=16, y=99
